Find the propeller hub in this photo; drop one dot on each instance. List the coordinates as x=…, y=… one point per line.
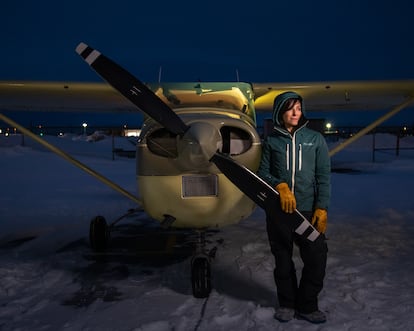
x=198, y=145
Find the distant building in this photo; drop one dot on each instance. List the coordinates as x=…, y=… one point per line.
x=131, y=132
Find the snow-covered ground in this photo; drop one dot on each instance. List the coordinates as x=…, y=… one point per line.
x=50, y=280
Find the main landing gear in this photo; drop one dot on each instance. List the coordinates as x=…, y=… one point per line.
x=99, y=231
x=99, y=236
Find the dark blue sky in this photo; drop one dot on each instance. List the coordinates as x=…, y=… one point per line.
x=279, y=41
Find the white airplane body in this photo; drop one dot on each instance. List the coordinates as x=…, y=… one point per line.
x=185, y=126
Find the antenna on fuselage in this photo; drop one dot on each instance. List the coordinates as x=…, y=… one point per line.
x=159, y=74
x=237, y=75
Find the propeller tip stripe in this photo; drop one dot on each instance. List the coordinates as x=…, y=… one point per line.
x=81, y=47
x=87, y=53
x=302, y=227
x=313, y=235
x=92, y=57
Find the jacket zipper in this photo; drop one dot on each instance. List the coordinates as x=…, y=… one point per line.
x=293, y=161
x=287, y=157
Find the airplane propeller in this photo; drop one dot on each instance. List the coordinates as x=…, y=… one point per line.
x=198, y=143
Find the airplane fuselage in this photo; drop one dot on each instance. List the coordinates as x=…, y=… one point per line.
x=175, y=176
x=177, y=179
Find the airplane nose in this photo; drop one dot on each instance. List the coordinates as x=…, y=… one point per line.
x=198, y=145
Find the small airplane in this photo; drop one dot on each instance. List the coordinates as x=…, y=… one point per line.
x=193, y=135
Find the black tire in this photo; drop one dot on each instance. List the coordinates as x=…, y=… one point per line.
x=201, y=277
x=98, y=234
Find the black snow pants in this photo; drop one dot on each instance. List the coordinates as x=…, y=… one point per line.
x=303, y=296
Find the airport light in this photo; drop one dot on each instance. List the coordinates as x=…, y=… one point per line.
x=84, y=127
x=328, y=127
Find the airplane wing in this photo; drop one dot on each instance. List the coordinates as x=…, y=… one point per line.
x=62, y=97
x=101, y=97
x=341, y=95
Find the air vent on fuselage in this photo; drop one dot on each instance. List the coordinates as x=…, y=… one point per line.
x=236, y=141
x=163, y=143
x=199, y=186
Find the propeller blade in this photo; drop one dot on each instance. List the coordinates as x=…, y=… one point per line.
x=133, y=89
x=247, y=181
x=262, y=194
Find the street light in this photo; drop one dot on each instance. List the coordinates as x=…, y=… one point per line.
x=328, y=127
x=84, y=127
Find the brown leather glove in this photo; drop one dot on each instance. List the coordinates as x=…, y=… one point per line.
x=287, y=199
x=320, y=219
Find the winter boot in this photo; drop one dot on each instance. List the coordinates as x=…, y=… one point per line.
x=284, y=314
x=315, y=317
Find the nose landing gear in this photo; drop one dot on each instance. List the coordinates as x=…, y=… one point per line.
x=201, y=268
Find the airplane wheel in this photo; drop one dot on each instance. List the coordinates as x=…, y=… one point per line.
x=201, y=277
x=98, y=234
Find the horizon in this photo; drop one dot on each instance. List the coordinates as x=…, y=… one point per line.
x=338, y=119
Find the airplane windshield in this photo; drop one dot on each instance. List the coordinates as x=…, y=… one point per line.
x=232, y=96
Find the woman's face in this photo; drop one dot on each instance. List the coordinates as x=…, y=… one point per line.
x=292, y=116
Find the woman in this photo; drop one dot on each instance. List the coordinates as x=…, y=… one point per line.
x=296, y=162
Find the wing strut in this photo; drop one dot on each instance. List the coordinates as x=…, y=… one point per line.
x=371, y=126
x=69, y=158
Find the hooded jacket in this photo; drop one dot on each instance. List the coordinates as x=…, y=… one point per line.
x=300, y=159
